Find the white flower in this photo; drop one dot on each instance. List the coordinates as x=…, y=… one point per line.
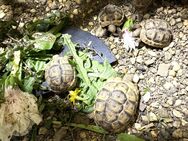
x=128, y=40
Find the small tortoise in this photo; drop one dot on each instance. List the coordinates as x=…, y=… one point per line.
x=59, y=74
x=155, y=33
x=110, y=17
x=116, y=104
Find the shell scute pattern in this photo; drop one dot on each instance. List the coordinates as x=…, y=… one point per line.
x=111, y=15
x=116, y=104
x=59, y=74
x=156, y=33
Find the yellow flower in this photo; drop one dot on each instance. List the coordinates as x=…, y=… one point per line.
x=73, y=95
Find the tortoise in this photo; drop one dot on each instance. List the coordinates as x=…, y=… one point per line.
x=59, y=74
x=110, y=17
x=154, y=32
x=116, y=104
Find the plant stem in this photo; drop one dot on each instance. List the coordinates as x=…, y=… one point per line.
x=79, y=62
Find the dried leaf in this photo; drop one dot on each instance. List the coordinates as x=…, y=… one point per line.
x=18, y=113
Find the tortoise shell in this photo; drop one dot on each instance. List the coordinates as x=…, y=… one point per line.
x=116, y=104
x=111, y=15
x=156, y=33
x=59, y=74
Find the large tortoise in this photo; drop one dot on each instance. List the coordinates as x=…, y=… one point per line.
x=155, y=32
x=116, y=104
x=59, y=74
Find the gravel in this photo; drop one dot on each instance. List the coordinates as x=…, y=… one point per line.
x=161, y=74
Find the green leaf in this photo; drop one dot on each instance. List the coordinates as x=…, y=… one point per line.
x=103, y=71
x=43, y=41
x=128, y=137
x=78, y=61
x=28, y=84
x=92, y=74
x=36, y=65
x=87, y=64
x=128, y=24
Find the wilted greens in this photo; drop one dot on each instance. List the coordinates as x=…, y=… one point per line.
x=23, y=62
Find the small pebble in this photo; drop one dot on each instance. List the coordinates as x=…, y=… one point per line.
x=176, y=124
x=132, y=60
x=170, y=101
x=172, y=22
x=146, y=97
x=168, y=56
x=152, y=53
x=75, y=12
x=152, y=117
x=163, y=69
x=168, y=85
x=137, y=126
x=177, y=113
x=176, y=66
x=172, y=73
x=139, y=59
x=149, y=62
x=91, y=23
x=136, y=78
x=2, y=14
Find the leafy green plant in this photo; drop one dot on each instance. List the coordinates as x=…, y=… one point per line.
x=92, y=75
x=23, y=62
x=128, y=24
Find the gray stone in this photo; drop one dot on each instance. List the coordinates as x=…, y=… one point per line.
x=177, y=113
x=139, y=59
x=172, y=73
x=168, y=56
x=132, y=60
x=178, y=20
x=170, y=101
x=152, y=53
x=146, y=97
x=163, y=69
x=172, y=22
x=75, y=11
x=142, y=106
x=152, y=117
x=2, y=14
x=176, y=66
x=163, y=113
x=149, y=62
x=136, y=78
x=168, y=85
